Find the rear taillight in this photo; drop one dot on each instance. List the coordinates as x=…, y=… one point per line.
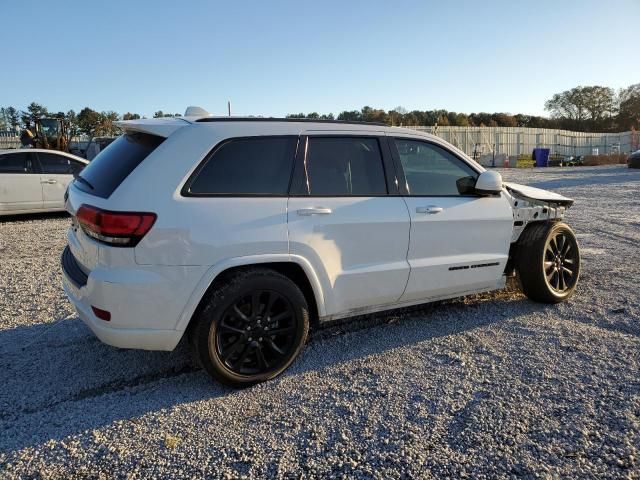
x=119, y=229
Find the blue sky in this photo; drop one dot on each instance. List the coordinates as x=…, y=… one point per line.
x=278, y=57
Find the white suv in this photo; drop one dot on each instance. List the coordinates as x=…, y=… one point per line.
x=244, y=231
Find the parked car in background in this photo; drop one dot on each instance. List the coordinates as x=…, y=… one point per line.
x=34, y=180
x=633, y=161
x=574, y=161
x=244, y=232
x=555, y=160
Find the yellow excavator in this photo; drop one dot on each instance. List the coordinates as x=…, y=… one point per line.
x=50, y=133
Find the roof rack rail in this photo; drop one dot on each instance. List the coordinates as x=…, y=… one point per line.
x=273, y=119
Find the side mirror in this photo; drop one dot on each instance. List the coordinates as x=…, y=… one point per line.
x=489, y=183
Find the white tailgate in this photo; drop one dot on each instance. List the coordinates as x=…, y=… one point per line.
x=84, y=249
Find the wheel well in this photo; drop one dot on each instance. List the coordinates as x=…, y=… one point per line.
x=515, y=248
x=291, y=270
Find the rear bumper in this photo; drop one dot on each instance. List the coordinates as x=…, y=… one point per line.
x=72, y=270
x=139, y=338
x=145, y=304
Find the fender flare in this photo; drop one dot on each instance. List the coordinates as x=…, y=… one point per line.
x=216, y=269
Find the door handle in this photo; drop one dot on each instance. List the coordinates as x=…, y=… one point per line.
x=314, y=211
x=50, y=181
x=431, y=209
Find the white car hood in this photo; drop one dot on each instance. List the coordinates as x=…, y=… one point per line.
x=538, y=194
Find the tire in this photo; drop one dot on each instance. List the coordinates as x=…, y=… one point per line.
x=548, y=262
x=235, y=337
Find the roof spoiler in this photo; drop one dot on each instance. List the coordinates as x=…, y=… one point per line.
x=162, y=127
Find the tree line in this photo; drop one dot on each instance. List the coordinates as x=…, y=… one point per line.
x=87, y=121
x=588, y=109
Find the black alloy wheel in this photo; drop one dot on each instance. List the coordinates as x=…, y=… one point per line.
x=257, y=333
x=561, y=262
x=548, y=261
x=251, y=327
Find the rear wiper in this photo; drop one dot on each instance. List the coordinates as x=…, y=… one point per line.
x=81, y=179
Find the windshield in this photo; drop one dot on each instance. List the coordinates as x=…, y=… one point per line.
x=49, y=127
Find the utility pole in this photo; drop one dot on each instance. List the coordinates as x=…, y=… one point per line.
x=229, y=107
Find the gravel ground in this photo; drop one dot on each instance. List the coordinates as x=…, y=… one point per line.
x=487, y=386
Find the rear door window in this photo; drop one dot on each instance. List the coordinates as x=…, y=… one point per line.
x=345, y=166
x=19, y=162
x=55, y=164
x=112, y=165
x=246, y=166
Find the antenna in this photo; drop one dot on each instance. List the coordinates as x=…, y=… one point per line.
x=229, y=107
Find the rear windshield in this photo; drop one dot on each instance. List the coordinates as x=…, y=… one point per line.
x=112, y=165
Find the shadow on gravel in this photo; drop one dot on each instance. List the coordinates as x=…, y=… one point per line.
x=59, y=380
x=30, y=217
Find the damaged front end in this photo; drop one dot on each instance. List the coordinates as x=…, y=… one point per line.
x=530, y=205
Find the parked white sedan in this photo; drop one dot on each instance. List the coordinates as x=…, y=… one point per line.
x=34, y=180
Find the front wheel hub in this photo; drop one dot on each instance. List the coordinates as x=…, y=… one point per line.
x=560, y=262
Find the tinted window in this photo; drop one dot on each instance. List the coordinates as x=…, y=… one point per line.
x=247, y=166
x=19, y=162
x=77, y=167
x=345, y=166
x=52, y=163
x=113, y=164
x=432, y=170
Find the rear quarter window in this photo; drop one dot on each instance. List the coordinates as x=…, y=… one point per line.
x=111, y=166
x=258, y=166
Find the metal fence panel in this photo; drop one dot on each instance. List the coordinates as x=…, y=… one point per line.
x=521, y=140
x=10, y=139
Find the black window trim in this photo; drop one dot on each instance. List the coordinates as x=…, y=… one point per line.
x=185, y=190
x=402, y=181
x=38, y=162
x=36, y=167
x=300, y=186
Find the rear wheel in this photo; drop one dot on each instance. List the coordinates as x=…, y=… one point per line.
x=548, y=262
x=252, y=328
